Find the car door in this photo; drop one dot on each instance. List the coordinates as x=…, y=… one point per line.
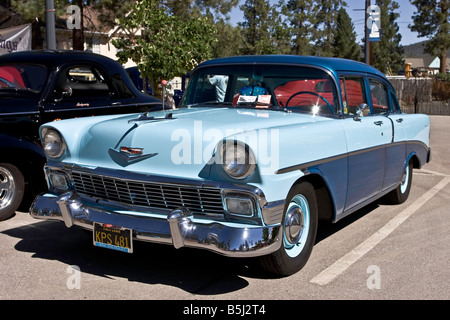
x=367, y=131
x=396, y=150
x=79, y=90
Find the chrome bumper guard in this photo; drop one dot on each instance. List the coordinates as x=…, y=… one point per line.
x=179, y=228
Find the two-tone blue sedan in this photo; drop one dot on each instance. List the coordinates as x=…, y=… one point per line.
x=260, y=150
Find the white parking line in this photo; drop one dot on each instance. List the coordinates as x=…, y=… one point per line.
x=337, y=268
x=424, y=171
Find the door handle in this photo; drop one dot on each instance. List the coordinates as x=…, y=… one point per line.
x=378, y=123
x=400, y=120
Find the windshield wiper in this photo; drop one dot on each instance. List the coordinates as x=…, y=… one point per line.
x=253, y=104
x=209, y=103
x=262, y=105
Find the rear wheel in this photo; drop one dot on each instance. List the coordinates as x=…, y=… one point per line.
x=12, y=186
x=299, y=232
x=401, y=193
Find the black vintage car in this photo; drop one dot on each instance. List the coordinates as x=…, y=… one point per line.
x=42, y=86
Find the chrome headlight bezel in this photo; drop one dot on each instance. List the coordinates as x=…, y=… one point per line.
x=53, y=143
x=237, y=159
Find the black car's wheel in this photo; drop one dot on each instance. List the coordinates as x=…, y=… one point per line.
x=299, y=232
x=12, y=187
x=401, y=193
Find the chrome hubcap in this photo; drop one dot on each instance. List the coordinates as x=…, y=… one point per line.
x=7, y=187
x=296, y=226
x=405, y=179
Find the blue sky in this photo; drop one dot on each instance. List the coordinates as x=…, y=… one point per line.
x=406, y=11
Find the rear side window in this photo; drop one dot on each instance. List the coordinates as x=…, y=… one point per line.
x=394, y=102
x=84, y=81
x=379, y=96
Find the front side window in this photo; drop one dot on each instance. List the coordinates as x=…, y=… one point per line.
x=23, y=76
x=352, y=94
x=298, y=89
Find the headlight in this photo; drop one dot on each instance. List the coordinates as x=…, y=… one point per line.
x=238, y=160
x=53, y=143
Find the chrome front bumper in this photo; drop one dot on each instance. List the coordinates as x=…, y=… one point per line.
x=179, y=228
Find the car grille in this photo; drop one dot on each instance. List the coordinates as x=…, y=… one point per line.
x=149, y=194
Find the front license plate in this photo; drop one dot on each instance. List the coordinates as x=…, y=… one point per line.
x=113, y=237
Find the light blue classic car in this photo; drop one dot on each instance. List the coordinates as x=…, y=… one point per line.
x=260, y=150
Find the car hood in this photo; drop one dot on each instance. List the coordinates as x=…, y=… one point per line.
x=175, y=143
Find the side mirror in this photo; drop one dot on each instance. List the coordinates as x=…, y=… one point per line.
x=363, y=110
x=65, y=92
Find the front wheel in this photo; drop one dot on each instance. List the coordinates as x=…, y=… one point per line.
x=12, y=188
x=299, y=232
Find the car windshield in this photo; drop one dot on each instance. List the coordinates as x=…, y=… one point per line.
x=263, y=86
x=22, y=77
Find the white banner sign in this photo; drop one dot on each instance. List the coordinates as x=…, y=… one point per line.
x=15, y=39
x=374, y=22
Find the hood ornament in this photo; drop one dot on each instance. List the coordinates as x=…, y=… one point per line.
x=131, y=151
x=129, y=155
x=145, y=117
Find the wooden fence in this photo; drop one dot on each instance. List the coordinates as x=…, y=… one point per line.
x=415, y=96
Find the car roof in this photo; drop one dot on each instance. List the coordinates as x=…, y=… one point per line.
x=56, y=57
x=332, y=64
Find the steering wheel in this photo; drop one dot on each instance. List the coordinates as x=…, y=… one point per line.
x=309, y=92
x=6, y=84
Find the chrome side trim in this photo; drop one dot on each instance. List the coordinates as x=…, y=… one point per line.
x=306, y=165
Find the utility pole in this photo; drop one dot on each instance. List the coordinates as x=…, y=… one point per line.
x=366, y=34
x=50, y=24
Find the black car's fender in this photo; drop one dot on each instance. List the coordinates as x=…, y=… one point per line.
x=29, y=158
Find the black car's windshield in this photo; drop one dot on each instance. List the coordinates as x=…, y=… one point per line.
x=262, y=86
x=22, y=77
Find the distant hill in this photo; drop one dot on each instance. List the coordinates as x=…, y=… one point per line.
x=415, y=50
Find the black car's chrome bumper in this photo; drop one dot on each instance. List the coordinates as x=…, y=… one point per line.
x=179, y=227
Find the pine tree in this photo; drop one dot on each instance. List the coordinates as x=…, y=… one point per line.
x=432, y=21
x=281, y=30
x=257, y=27
x=302, y=17
x=387, y=54
x=326, y=26
x=344, y=43
x=110, y=10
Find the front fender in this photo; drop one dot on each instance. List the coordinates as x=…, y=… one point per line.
x=28, y=156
